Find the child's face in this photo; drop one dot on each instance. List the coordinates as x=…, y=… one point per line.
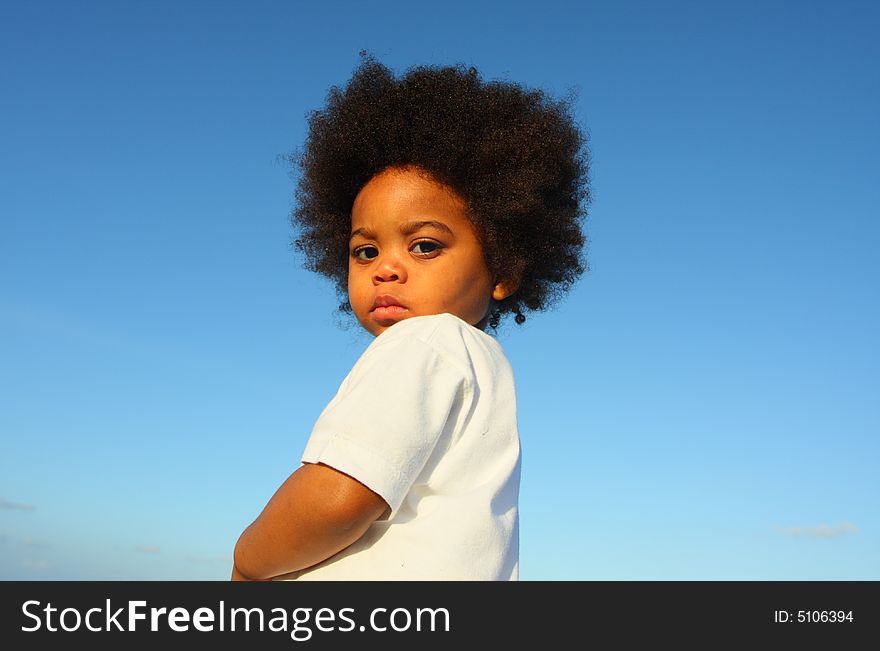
x=414, y=252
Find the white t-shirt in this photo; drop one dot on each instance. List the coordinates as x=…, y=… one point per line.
x=427, y=419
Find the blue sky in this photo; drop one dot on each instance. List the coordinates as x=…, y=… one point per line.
x=703, y=405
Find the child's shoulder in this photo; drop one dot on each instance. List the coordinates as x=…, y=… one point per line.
x=434, y=329
x=445, y=334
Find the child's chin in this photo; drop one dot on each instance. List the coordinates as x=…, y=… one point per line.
x=379, y=323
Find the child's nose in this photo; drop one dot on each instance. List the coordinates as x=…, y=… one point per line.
x=389, y=269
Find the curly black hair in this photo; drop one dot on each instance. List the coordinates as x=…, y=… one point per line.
x=514, y=154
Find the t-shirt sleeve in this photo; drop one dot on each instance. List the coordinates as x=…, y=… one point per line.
x=398, y=402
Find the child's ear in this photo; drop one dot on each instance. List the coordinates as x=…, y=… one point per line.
x=504, y=288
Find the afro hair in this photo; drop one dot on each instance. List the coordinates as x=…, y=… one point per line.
x=513, y=154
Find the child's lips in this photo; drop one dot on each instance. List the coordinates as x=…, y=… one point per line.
x=387, y=308
x=389, y=312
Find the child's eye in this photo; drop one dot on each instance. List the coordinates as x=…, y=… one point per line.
x=426, y=248
x=365, y=252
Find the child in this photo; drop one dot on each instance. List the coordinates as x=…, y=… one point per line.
x=438, y=204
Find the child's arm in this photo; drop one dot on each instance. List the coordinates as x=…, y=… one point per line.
x=316, y=512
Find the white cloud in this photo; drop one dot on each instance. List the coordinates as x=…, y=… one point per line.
x=148, y=549
x=822, y=531
x=27, y=541
x=30, y=542
x=221, y=558
x=15, y=506
x=36, y=565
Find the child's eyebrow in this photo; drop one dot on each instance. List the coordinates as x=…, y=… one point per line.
x=407, y=228
x=411, y=227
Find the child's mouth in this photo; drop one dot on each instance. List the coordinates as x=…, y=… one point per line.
x=388, y=312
